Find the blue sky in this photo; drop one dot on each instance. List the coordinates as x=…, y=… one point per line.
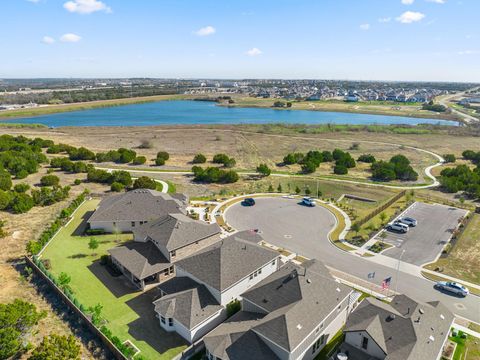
x=437, y=40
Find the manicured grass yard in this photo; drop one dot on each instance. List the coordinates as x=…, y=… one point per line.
x=128, y=312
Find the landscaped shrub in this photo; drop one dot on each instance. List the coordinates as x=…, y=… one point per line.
x=21, y=203
x=449, y=158
x=340, y=170
x=366, y=158
x=21, y=188
x=139, y=160
x=49, y=180
x=214, y=175
x=199, y=159
x=162, y=157
x=117, y=187
x=95, y=232
x=144, y=182
x=233, y=307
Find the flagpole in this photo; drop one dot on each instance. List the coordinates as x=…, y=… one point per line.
x=398, y=271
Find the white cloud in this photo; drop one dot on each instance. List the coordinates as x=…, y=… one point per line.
x=409, y=17
x=365, y=26
x=407, y=2
x=48, y=40
x=254, y=52
x=70, y=38
x=437, y=1
x=86, y=6
x=469, y=52
x=385, y=19
x=205, y=31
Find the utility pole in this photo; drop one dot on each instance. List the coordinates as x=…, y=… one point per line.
x=398, y=270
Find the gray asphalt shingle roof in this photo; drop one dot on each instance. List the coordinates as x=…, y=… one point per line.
x=173, y=231
x=404, y=329
x=190, y=303
x=233, y=340
x=228, y=261
x=137, y=205
x=141, y=259
x=296, y=299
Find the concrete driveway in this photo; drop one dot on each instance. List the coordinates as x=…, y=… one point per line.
x=284, y=223
x=424, y=243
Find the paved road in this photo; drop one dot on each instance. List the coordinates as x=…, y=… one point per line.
x=424, y=243
x=310, y=232
x=466, y=117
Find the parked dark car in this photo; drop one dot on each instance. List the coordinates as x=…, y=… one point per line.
x=248, y=202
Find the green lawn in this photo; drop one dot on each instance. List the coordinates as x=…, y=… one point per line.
x=129, y=314
x=467, y=348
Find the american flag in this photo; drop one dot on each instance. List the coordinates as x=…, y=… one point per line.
x=386, y=283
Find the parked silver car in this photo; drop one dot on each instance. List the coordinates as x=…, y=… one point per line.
x=453, y=287
x=408, y=221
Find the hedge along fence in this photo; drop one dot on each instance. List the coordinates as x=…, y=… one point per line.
x=382, y=208
x=111, y=342
x=34, y=247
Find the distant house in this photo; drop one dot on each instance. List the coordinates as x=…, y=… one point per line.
x=194, y=302
x=158, y=244
x=125, y=212
x=291, y=314
x=401, y=330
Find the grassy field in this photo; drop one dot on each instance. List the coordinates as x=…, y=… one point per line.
x=463, y=261
x=52, y=109
x=128, y=313
x=365, y=107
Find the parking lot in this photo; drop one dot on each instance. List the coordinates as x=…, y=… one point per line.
x=284, y=223
x=424, y=243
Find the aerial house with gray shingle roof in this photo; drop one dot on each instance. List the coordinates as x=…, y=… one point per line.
x=291, y=314
x=125, y=212
x=403, y=329
x=195, y=301
x=158, y=244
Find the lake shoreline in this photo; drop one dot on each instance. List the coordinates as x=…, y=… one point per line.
x=9, y=115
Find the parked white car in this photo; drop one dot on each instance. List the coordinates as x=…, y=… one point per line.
x=398, y=227
x=308, y=201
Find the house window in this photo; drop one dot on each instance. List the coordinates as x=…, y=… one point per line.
x=259, y=271
x=173, y=253
x=364, y=343
x=165, y=272
x=273, y=262
x=318, y=344
x=133, y=223
x=162, y=319
x=171, y=269
x=251, y=276
x=170, y=322
x=339, y=307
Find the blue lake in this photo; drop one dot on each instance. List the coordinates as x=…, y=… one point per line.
x=200, y=112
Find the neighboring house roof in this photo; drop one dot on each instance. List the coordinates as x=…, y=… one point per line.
x=137, y=205
x=190, y=303
x=233, y=339
x=249, y=235
x=173, y=231
x=295, y=300
x=404, y=329
x=141, y=259
x=228, y=261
